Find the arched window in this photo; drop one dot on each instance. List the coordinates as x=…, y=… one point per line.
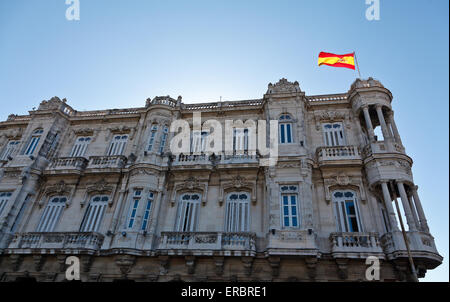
x=187, y=212
x=152, y=138
x=118, y=145
x=164, y=135
x=51, y=214
x=237, y=212
x=9, y=149
x=94, y=213
x=333, y=134
x=34, y=140
x=346, y=211
x=80, y=146
x=285, y=126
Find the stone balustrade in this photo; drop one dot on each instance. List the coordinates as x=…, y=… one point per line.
x=354, y=242
x=338, y=153
x=102, y=162
x=68, y=163
x=57, y=240
x=207, y=240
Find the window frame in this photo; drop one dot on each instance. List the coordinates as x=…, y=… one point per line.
x=86, y=223
x=234, y=214
x=33, y=141
x=119, y=144
x=342, y=219
x=330, y=135
x=8, y=150
x=188, y=209
x=284, y=121
x=152, y=138
x=52, y=213
x=75, y=152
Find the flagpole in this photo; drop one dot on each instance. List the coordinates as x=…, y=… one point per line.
x=357, y=66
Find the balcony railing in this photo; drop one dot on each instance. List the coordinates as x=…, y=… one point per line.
x=68, y=163
x=207, y=240
x=353, y=242
x=338, y=153
x=102, y=162
x=237, y=158
x=191, y=159
x=44, y=240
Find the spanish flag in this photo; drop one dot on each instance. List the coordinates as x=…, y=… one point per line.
x=331, y=59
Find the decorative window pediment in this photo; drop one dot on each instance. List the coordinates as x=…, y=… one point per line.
x=237, y=183
x=100, y=187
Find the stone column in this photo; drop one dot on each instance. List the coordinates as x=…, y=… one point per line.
x=406, y=207
x=368, y=123
x=384, y=129
x=389, y=207
x=422, y=219
x=414, y=210
x=394, y=128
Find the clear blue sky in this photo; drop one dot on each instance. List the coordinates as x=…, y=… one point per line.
x=122, y=52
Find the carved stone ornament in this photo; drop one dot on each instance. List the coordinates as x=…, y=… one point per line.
x=191, y=183
x=100, y=187
x=331, y=116
x=344, y=181
x=237, y=183
x=60, y=188
x=283, y=86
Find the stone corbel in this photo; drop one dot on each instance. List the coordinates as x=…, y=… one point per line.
x=16, y=261
x=87, y=260
x=38, y=261
x=163, y=265
x=275, y=265
x=311, y=265
x=190, y=264
x=62, y=262
x=125, y=263
x=248, y=264
x=342, y=269
x=219, y=261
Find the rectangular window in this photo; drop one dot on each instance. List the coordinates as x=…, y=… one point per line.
x=80, y=146
x=133, y=208
x=290, y=210
x=34, y=141
x=4, y=198
x=118, y=145
x=147, y=210
x=333, y=134
x=51, y=214
x=198, y=141
x=237, y=212
x=240, y=140
x=289, y=206
x=187, y=212
x=346, y=211
x=163, y=139
x=94, y=213
x=151, y=141
x=10, y=148
x=285, y=133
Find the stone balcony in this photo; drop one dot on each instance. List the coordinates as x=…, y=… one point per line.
x=56, y=241
x=355, y=245
x=292, y=242
x=207, y=243
x=380, y=147
x=338, y=155
x=205, y=161
x=67, y=165
x=421, y=244
x=112, y=162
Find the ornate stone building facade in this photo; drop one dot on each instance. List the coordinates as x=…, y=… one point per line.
x=103, y=186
